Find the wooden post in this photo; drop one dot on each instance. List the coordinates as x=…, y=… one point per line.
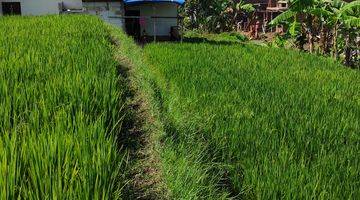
x=181, y=22
x=154, y=22
x=271, y=18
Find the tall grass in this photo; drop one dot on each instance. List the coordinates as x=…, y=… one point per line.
x=61, y=109
x=252, y=122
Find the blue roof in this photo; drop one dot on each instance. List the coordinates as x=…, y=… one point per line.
x=131, y=2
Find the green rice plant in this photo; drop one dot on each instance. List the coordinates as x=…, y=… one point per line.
x=252, y=122
x=61, y=101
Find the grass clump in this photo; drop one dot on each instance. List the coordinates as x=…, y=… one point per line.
x=225, y=37
x=252, y=122
x=61, y=110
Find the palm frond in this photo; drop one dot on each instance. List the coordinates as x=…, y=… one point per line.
x=352, y=22
x=337, y=4
x=351, y=7
x=294, y=28
x=320, y=12
x=248, y=7
x=285, y=16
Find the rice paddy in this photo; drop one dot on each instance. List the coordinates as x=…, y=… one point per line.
x=228, y=120
x=251, y=122
x=61, y=110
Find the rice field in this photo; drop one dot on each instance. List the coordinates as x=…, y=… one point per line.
x=61, y=110
x=250, y=122
x=229, y=120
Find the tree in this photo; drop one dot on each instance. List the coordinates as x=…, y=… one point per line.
x=215, y=15
x=327, y=19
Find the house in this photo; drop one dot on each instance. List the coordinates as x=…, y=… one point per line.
x=154, y=19
x=35, y=7
x=265, y=12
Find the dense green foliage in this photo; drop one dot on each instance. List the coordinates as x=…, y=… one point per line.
x=61, y=108
x=255, y=122
x=215, y=15
x=333, y=25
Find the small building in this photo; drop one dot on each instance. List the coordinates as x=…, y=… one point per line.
x=36, y=7
x=153, y=19
x=265, y=12
x=157, y=19
x=110, y=11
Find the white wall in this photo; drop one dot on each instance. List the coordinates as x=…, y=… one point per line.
x=160, y=10
x=39, y=7
x=111, y=12
x=108, y=10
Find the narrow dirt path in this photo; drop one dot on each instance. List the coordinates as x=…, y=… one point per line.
x=145, y=175
x=145, y=180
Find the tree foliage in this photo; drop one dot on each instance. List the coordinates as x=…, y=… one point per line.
x=215, y=15
x=329, y=26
